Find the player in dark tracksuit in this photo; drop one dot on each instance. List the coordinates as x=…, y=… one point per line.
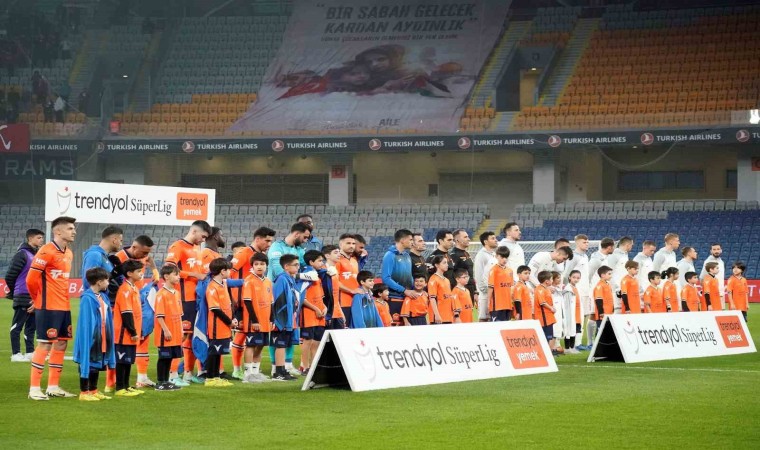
x=15, y=279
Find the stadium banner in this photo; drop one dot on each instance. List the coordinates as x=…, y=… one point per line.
x=376, y=64
x=415, y=143
x=381, y=358
x=635, y=338
x=128, y=203
x=14, y=138
x=27, y=167
x=75, y=287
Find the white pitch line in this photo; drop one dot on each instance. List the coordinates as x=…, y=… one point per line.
x=684, y=369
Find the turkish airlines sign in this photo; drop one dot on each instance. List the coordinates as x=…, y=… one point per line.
x=382, y=358
x=664, y=336
x=14, y=138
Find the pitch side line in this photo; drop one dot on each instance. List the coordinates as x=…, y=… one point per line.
x=685, y=369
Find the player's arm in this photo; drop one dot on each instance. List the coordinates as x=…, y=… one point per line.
x=659, y=258
x=161, y=317
x=35, y=274
x=216, y=310
x=14, y=270
x=730, y=294
x=517, y=302
x=534, y=265
x=624, y=295
x=647, y=302
x=684, y=303
x=599, y=300
x=569, y=267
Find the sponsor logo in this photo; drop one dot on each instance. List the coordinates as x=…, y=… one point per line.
x=464, y=143
x=366, y=361
x=742, y=135
x=732, y=331
x=630, y=335
x=554, y=141
x=278, y=145
x=524, y=348
x=218, y=347
x=56, y=274
x=100, y=147
x=51, y=333
x=375, y=144
x=6, y=144
x=188, y=146
x=647, y=138
x=186, y=325
x=121, y=354
x=754, y=116
x=192, y=206
x=64, y=200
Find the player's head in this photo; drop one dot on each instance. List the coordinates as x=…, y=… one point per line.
x=132, y=269
x=712, y=268
x=290, y=264
x=502, y=254
x=581, y=243
x=220, y=266
x=604, y=272
x=111, y=239
x=35, y=238
x=307, y=220
x=462, y=276
x=331, y=254
x=444, y=239
x=562, y=254
x=632, y=267
x=691, y=277
x=561, y=242
x=420, y=282
x=672, y=241
x=315, y=259
x=654, y=277
x=716, y=250
x=648, y=247
x=738, y=268
x=574, y=277
x=403, y=237
x=263, y=238
x=625, y=244
x=366, y=279
x=97, y=277
x=544, y=277
x=671, y=273
x=259, y=264
x=689, y=252
x=64, y=229
x=347, y=244
x=236, y=247
x=556, y=278
x=216, y=237
x=200, y=230
x=380, y=290
x=170, y=274
x=488, y=240
x=360, y=244
x=606, y=246
x=523, y=272
x=461, y=239
x=418, y=243
x=298, y=232
x=512, y=231
x=141, y=247
x=441, y=263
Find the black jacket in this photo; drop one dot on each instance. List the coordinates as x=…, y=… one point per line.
x=18, y=263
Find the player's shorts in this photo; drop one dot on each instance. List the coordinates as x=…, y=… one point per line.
x=257, y=339
x=578, y=328
x=548, y=331
x=503, y=315
x=394, y=306
x=346, y=313
x=282, y=338
x=420, y=320
x=337, y=324
x=313, y=333
x=125, y=354
x=173, y=352
x=189, y=312
x=52, y=325
x=219, y=346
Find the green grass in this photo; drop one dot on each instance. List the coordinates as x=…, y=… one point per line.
x=695, y=403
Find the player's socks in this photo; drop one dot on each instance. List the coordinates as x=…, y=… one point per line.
x=256, y=367
x=289, y=352
x=187, y=350
x=55, y=366
x=110, y=379
x=174, y=366
x=237, y=350
x=38, y=365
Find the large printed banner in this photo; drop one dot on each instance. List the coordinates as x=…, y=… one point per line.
x=381, y=358
x=374, y=64
x=128, y=203
x=634, y=338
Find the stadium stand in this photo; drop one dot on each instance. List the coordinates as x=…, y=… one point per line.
x=661, y=69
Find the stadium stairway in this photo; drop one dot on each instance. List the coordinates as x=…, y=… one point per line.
x=569, y=59
x=86, y=61
x=503, y=121
x=485, y=86
x=140, y=98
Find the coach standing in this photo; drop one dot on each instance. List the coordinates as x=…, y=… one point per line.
x=444, y=242
x=23, y=308
x=396, y=272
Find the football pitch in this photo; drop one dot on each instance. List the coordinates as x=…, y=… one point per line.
x=692, y=403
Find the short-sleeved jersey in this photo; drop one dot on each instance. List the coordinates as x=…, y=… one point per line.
x=439, y=289
x=654, y=298
x=603, y=290
x=127, y=301
x=259, y=292
x=316, y=296
x=218, y=298
x=670, y=296
x=464, y=299
x=521, y=293
x=690, y=295
x=385, y=312
x=241, y=269
x=347, y=268
x=48, y=278
x=737, y=287
x=208, y=255
x=710, y=286
x=168, y=307
x=630, y=286
x=543, y=302
x=501, y=280
x=416, y=307
x=187, y=257
x=337, y=312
